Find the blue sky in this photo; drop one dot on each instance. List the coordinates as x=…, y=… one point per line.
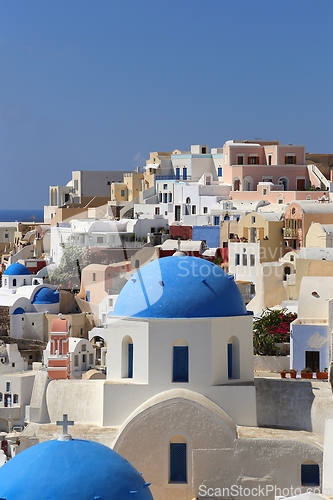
x=98, y=84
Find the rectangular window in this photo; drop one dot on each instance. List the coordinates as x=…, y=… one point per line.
x=252, y=260
x=130, y=361
x=170, y=197
x=178, y=462
x=15, y=399
x=94, y=276
x=244, y=259
x=76, y=360
x=269, y=159
x=91, y=359
x=160, y=197
x=205, y=210
x=165, y=186
x=290, y=160
x=180, y=364
x=219, y=171
x=157, y=211
x=110, y=302
x=7, y=386
x=216, y=220
x=240, y=160
x=165, y=197
x=100, y=239
x=253, y=160
x=177, y=173
x=184, y=173
x=253, y=219
x=194, y=209
x=310, y=474
x=203, y=150
x=237, y=260
x=122, y=192
x=84, y=347
x=83, y=358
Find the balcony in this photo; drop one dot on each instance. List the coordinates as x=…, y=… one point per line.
x=173, y=178
x=289, y=232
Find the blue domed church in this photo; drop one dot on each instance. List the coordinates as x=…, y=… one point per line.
x=179, y=390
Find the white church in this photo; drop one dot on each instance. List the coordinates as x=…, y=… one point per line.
x=179, y=398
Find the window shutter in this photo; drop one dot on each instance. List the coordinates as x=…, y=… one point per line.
x=261, y=233
x=310, y=475
x=245, y=232
x=130, y=360
x=229, y=360
x=178, y=462
x=286, y=160
x=180, y=364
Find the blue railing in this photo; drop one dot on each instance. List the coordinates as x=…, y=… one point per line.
x=173, y=178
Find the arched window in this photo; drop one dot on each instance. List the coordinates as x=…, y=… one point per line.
x=127, y=357
x=284, y=181
x=286, y=272
x=248, y=183
x=14, y=282
x=233, y=358
x=180, y=361
x=236, y=185
x=188, y=201
x=310, y=474
x=177, y=460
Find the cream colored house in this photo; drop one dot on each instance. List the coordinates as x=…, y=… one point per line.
x=319, y=235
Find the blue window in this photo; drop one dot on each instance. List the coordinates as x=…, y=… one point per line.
x=7, y=386
x=219, y=172
x=170, y=197
x=229, y=360
x=160, y=197
x=178, y=462
x=310, y=475
x=184, y=173
x=180, y=364
x=130, y=360
x=88, y=296
x=165, y=197
x=178, y=173
x=216, y=220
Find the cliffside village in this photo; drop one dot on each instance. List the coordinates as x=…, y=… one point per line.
x=130, y=310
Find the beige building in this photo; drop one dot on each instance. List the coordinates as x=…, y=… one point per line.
x=319, y=235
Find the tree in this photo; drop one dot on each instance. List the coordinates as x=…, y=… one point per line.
x=67, y=273
x=273, y=326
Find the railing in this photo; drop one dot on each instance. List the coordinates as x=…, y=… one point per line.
x=173, y=177
x=288, y=232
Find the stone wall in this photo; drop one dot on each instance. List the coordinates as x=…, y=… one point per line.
x=4, y=320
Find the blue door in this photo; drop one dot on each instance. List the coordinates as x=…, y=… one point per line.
x=180, y=364
x=178, y=462
x=229, y=360
x=184, y=174
x=177, y=173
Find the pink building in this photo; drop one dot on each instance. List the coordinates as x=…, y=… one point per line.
x=246, y=164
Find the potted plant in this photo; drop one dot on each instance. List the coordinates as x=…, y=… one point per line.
x=283, y=373
x=322, y=375
x=293, y=373
x=306, y=373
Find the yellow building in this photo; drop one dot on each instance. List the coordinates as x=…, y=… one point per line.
x=319, y=235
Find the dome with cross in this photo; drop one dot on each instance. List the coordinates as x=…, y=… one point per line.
x=71, y=468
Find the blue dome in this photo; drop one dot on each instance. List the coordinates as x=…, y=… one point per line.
x=76, y=470
x=17, y=269
x=46, y=296
x=180, y=287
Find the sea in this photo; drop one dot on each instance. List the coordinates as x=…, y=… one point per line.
x=22, y=215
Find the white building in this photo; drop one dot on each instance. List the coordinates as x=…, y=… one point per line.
x=81, y=354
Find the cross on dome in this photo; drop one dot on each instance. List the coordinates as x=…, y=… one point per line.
x=65, y=423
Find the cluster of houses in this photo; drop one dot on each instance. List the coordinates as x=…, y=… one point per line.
x=152, y=354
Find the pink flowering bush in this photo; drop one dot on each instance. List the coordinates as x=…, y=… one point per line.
x=272, y=327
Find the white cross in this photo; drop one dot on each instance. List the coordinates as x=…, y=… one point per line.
x=65, y=423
